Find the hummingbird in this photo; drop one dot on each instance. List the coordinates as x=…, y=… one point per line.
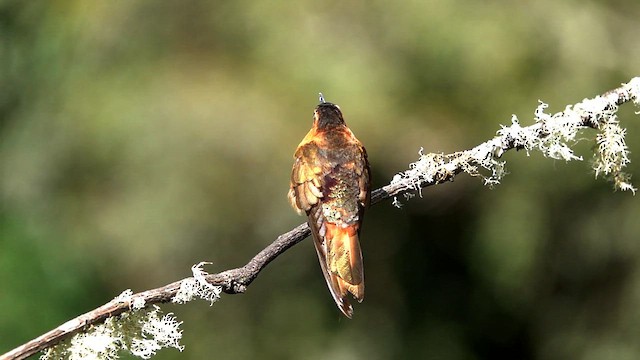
x=330, y=183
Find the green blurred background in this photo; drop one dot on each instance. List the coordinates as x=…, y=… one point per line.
x=138, y=138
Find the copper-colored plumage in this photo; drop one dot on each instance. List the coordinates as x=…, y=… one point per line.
x=330, y=183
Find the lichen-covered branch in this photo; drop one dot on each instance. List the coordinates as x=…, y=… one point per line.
x=125, y=322
x=553, y=135
x=134, y=323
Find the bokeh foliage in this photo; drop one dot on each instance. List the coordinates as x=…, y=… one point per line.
x=140, y=137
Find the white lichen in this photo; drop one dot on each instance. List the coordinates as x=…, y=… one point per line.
x=124, y=296
x=140, y=332
x=425, y=170
x=135, y=302
x=197, y=287
x=157, y=333
x=556, y=132
x=633, y=89
x=612, y=155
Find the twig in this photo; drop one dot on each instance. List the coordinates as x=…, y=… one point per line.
x=431, y=169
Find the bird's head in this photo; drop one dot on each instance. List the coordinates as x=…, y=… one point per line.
x=327, y=115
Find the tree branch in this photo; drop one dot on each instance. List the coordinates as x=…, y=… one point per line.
x=549, y=134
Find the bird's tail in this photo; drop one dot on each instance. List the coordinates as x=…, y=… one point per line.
x=340, y=257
